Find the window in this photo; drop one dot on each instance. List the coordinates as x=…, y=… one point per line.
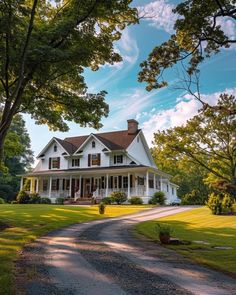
x=93, y=144
x=138, y=139
x=54, y=163
x=167, y=188
x=55, y=184
x=151, y=183
x=76, y=162
x=125, y=181
x=55, y=148
x=140, y=180
x=173, y=191
x=94, y=160
x=118, y=159
x=45, y=185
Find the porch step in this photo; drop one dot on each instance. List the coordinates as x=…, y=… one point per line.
x=84, y=201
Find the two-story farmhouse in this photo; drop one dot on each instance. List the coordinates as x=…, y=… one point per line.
x=97, y=164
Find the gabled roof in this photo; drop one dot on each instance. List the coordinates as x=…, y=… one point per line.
x=116, y=140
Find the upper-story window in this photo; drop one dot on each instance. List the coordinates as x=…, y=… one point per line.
x=118, y=159
x=55, y=148
x=54, y=163
x=93, y=144
x=76, y=162
x=173, y=191
x=94, y=160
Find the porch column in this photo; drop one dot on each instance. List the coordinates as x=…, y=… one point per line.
x=154, y=181
x=50, y=187
x=70, y=186
x=80, y=185
x=128, y=185
x=136, y=184
x=147, y=184
x=31, y=185
x=107, y=181
x=37, y=185
x=21, y=183
x=161, y=186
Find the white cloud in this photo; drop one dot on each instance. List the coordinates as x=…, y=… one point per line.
x=127, y=47
x=186, y=108
x=228, y=26
x=160, y=15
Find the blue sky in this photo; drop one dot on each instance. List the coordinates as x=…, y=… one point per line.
x=128, y=98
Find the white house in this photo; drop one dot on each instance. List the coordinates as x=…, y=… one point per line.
x=97, y=164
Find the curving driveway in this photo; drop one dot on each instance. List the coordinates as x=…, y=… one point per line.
x=103, y=257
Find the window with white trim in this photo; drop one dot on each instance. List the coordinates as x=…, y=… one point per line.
x=93, y=144
x=125, y=181
x=118, y=159
x=55, y=148
x=75, y=162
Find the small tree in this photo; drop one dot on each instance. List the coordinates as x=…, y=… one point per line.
x=23, y=197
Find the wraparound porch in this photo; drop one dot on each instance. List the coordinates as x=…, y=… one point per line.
x=97, y=184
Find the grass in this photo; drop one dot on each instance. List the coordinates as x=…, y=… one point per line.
x=27, y=222
x=200, y=225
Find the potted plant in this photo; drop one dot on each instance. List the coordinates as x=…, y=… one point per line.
x=164, y=231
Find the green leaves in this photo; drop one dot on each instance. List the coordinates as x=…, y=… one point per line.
x=198, y=34
x=208, y=140
x=66, y=38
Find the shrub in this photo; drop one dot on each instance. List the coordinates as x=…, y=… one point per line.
x=46, y=201
x=101, y=208
x=7, y=192
x=35, y=199
x=214, y=203
x=227, y=204
x=193, y=198
x=107, y=200
x=14, y=202
x=164, y=231
x=2, y=201
x=60, y=201
x=118, y=197
x=136, y=201
x=23, y=197
x=160, y=197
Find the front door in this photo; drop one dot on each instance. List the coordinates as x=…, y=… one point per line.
x=87, y=187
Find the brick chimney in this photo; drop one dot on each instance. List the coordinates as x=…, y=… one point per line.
x=132, y=126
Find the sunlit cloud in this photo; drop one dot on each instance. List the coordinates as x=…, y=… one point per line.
x=159, y=14
x=185, y=108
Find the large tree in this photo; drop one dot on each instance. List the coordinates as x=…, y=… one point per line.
x=44, y=48
x=209, y=141
x=199, y=33
x=18, y=158
x=188, y=175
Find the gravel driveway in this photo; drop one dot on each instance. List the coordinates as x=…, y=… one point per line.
x=103, y=257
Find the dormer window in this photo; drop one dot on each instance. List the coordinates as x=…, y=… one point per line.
x=118, y=159
x=93, y=144
x=76, y=162
x=55, y=148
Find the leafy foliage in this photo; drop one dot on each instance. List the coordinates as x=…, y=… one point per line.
x=23, y=197
x=193, y=198
x=35, y=199
x=160, y=197
x=136, y=201
x=118, y=197
x=18, y=158
x=44, y=49
x=2, y=201
x=207, y=140
x=45, y=200
x=59, y=201
x=198, y=34
x=101, y=208
x=219, y=204
x=107, y=200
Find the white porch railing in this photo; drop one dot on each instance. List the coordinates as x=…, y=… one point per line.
x=139, y=191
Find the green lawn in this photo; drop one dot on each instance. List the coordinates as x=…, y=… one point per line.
x=200, y=225
x=27, y=222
